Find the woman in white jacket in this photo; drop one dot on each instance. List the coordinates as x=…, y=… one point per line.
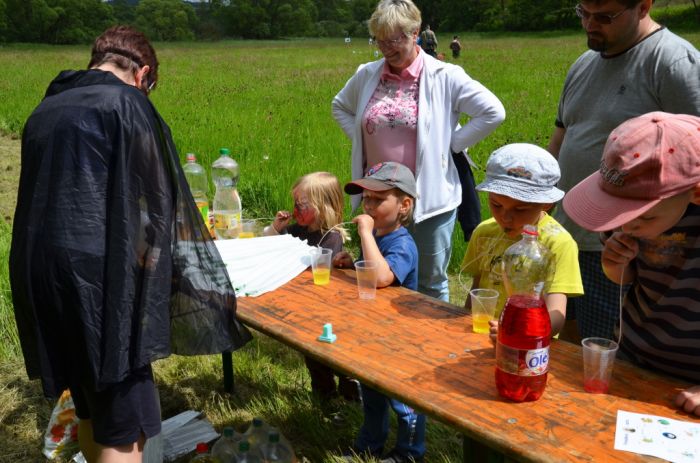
x=406, y=108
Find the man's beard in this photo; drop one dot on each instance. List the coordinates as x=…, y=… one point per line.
x=596, y=43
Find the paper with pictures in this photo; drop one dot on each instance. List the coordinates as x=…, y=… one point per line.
x=258, y=265
x=673, y=440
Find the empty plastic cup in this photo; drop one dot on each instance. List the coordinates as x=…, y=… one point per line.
x=321, y=265
x=366, y=272
x=483, y=302
x=598, y=361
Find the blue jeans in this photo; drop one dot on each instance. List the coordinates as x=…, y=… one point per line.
x=433, y=238
x=410, y=437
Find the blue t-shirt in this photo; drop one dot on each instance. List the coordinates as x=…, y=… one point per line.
x=400, y=252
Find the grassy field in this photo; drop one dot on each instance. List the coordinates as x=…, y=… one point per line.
x=269, y=102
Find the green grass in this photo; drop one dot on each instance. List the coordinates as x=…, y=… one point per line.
x=269, y=102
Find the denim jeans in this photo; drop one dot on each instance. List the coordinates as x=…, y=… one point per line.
x=433, y=238
x=410, y=437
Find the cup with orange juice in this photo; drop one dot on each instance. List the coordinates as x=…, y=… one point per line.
x=249, y=228
x=321, y=265
x=483, y=303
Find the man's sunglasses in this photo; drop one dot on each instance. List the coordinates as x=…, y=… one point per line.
x=600, y=18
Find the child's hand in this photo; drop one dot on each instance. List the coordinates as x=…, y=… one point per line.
x=493, y=331
x=281, y=220
x=343, y=260
x=689, y=400
x=365, y=224
x=619, y=250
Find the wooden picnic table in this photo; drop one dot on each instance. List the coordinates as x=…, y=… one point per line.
x=422, y=351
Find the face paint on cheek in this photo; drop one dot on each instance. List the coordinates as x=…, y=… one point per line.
x=304, y=217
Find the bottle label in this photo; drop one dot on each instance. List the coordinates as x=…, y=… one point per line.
x=522, y=362
x=225, y=221
x=203, y=207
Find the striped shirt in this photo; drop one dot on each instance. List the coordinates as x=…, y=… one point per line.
x=661, y=316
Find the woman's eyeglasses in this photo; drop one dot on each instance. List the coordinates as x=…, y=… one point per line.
x=600, y=18
x=390, y=43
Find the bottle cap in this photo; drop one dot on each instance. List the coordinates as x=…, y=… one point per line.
x=202, y=447
x=244, y=446
x=273, y=437
x=530, y=230
x=224, y=151
x=191, y=157
x=228, y=431
x=257, y=422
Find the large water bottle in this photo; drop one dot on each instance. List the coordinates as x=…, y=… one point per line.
x=227, y=202
x=524, y=329
x=257, y=433
x=225, y=448
x=199, y=186
x=276, y=451
x=245, y=454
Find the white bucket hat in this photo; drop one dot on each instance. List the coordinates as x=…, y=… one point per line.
x=524, y=172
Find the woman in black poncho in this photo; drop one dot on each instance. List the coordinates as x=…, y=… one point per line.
x=111, y=265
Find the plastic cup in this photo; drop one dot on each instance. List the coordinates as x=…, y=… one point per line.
x=249, y=228
x=483, y=308
x=321, y=265
x=598, y=361
x=366, y=272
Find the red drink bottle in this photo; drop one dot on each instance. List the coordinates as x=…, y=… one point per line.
x=522, y=349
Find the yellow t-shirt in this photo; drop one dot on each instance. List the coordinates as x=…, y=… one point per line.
x=488, y=243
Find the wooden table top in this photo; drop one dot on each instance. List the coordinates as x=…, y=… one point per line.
x=422, y=351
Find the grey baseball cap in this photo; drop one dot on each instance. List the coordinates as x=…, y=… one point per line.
x=385, y=176
x=524, y=172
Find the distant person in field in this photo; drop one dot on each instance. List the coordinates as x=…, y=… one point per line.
x=318, y=212
x=104, y=228
x=455, y=46
x=634, y=66
x=429, y=41
x=389, y=112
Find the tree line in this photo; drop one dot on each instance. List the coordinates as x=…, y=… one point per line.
x=80, y=21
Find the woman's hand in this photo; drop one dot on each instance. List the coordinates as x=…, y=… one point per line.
x=689, y=400
x=365, y=224
x=281, y=221
x=493, y=331
x=343, y=260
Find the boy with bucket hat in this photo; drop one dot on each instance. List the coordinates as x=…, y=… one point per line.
x=521, y=183
x=646, y=195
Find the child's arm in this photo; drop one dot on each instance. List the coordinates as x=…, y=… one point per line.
x=689, y=400
x=556, y=305
x=370, y=250
x=281, y=221
x=620, y=249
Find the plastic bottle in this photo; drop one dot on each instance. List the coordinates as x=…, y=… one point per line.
x=225, y=448
x=257, y=433
x=245, y=454
x=199, y=186
x=227, y=202
x=202, y=454
x=276, y=451
x=524, y=330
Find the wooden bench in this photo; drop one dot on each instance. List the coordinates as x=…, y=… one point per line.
x=423, y=352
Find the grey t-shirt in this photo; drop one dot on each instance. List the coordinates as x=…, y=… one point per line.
x=660, y=73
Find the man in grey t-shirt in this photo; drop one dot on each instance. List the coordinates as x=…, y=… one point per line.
x=635, y=66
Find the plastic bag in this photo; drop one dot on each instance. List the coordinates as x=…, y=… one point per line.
x=61, y=437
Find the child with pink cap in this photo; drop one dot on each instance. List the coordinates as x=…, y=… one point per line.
x=646, y=196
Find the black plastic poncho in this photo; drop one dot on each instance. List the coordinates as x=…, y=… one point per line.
x=110, y=258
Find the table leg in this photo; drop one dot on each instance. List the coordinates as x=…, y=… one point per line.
x=476, y=452
x=227, y=367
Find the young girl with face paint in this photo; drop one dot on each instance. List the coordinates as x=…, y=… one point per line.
x=318, y=208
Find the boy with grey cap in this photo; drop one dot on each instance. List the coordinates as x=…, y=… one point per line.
x=521, y=182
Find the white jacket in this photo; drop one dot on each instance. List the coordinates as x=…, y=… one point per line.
x=445, y=92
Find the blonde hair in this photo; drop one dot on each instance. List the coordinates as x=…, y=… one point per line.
x=322, y=191
x=392, y=15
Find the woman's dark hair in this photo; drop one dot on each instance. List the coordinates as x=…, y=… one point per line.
x=128, y=49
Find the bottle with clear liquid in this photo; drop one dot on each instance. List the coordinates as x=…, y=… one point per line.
x=227, y=202
x=524, y=329
x=202, y=454
x=225, y=448
x=257, y=432
x=245, y=454
x=199, y=186
x=276, y=451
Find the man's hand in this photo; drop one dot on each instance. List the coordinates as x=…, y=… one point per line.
x=689, y=400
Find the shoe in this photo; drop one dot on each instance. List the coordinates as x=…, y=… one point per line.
x=350, y=390
x=395, y=457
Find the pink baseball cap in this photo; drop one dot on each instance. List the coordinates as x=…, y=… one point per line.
x=645, y=160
